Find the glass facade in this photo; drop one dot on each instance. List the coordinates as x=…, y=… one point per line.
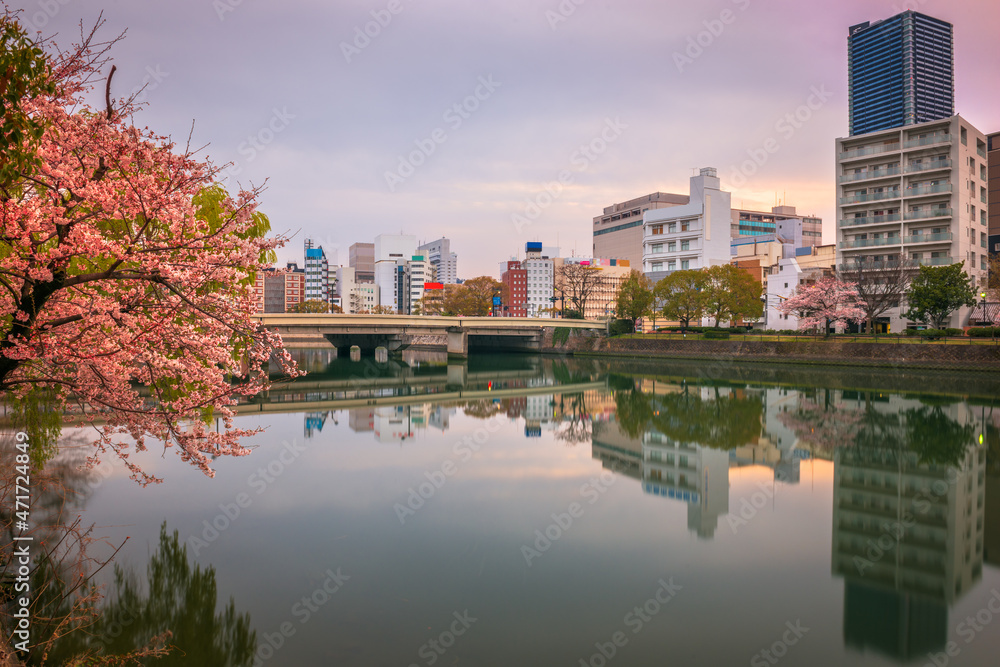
x=900, y=72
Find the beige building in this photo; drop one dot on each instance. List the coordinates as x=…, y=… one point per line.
x=618, y=231
x=601, y=301
x=917, y=194
x=747, y=224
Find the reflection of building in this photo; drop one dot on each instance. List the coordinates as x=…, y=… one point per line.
x=696, y=475
x=908, y=539
x=616, y=450
x=361, y=419
x=776, y=448
x=392, y=423
x=315, y=421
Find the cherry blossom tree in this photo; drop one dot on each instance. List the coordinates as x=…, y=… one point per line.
x=825, y=302
x=126, y=273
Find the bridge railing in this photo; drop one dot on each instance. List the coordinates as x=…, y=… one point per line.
x=327, y=319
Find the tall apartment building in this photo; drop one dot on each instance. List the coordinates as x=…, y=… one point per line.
x=417, y=271
x=618, y=231
x=916, y=194
x=361, y=257
x=693, y=236
x=442, y=260
x=317, y=271
x=993, y=195
x=900, y=72
x=392, y=251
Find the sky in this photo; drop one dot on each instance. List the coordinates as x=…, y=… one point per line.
x=497, y=122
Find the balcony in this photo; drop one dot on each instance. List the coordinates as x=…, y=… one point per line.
x=927, y=141
x=868, y=150
x=933, y=261
x=929, y=213
x=928, y=166
x=928, y=238
x=927, y=190
x=873, y=220
x=869, y=175
x=981, y=151
x=869, y=243
x=858, y=266
x=871, y=196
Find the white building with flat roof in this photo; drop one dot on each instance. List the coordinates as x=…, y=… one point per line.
x=690, y=236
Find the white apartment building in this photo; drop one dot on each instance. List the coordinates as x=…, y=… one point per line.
x=418, y=271
x=690, y=236
x=392, y=251
x=918, y=194
x=540, y=278
x=444, y=262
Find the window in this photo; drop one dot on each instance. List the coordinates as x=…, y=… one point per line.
x=685, y=245
x=982, y=240
x=685, y=226
x=672, y=266
x=656, y=229
x=965, y=137
x=656, y=248
x=672, y=227
x=685, y=264
x=656, y=266
x=672, y=246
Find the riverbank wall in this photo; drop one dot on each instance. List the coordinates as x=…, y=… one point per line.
x=834, y=352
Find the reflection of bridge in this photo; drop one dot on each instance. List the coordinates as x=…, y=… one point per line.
x=318, y=401
x=395, y=332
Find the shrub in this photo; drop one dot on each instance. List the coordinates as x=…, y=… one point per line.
x=912, y=332
x=954, y=332
x=571, y=314
x=715, y=334
x=984, y=332
x=932, y=334
x=620, y=327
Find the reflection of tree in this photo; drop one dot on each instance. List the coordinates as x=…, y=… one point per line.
x=483, y=408
x=873, y=433
x=69, y=624
x=177, y=607
x=822, y=426
x=633, y=410
x=936, y=437
x=575, y=424
x=724, y=421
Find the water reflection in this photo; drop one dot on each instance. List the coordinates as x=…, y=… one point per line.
x=901, y=484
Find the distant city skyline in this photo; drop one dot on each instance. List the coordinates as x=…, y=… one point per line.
x=511, y=121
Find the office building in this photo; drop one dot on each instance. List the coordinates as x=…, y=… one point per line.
x=618, y=231
x=782, y=220
x=361, y=257
x=900, y=72
x=392, y=251
x=317, y=273
x=692, y=236
x=530, y=283
x=441, y=259
x=915, y=194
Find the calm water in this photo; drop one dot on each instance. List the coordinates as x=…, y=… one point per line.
x=528, y=511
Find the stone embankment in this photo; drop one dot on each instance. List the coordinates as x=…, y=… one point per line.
x=834, y=352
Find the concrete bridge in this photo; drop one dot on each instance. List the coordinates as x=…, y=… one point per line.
x=396, y=332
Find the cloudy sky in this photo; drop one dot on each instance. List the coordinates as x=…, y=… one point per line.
x=358, y=134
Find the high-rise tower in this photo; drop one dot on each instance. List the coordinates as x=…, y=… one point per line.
x=900, y=72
